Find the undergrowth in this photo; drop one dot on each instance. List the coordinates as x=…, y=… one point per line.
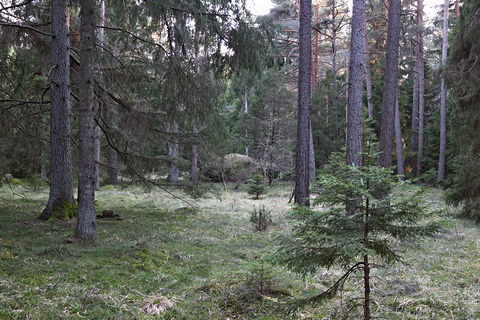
x=207, y=264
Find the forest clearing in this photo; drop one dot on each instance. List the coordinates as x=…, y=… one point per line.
x=239, y=159
x=208, y=263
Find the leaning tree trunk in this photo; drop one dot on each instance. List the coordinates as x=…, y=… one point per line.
x=355, y=85
x=61, y=191
x=443, y=97
x=86, y=222
x=399, y=143
x=391, y=83
x=421, y=89
x=302, y=183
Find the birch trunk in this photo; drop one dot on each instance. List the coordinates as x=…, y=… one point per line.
x=391, y=83
x=86, y=228
x=60, y=114
x=443, y=97
x=302, y=171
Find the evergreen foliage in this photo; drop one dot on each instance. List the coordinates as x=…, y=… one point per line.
x=256, y=186
x=464, y=70
x=261, y=219
x=328, y=236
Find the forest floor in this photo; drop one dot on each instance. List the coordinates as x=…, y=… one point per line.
x=209, y=264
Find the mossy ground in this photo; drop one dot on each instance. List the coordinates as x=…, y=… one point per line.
x=207, y=262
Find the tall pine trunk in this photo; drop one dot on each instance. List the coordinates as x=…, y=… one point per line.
x=61, y=191
x=98, y=135
x=302, y=183
x=421, y=88
x=86, y=222
x=368, y=70
x=391, y=83
x=311, y=156
x=443, y=97
x=355, y=85
x=399, y=142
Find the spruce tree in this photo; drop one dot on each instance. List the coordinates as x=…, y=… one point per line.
x=332, y=237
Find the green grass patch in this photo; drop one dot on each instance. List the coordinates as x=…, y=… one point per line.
x=208, y=263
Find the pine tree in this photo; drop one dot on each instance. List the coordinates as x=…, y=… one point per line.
x=256, y=186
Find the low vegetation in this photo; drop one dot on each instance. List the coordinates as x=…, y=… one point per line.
x=157, y=260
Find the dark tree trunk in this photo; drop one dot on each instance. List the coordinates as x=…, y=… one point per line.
x=86, y=222
x=355, y=85
x=391, y=83
x=399, y=143
x=60, y=113
x=443, y=97
x=302, y=182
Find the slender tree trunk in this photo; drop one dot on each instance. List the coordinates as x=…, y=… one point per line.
x=414, y=127
x=245, y=110
x=368, y=71
x=112, y=156
x=173, y=153
x=311, y=157
x=391, y=83
x=194, y=169
x=60, y=113
x=333, y=93
x=302, y=183
x=86, y=222
x=355, y=85
x=421, y=89
x=97, y=156
x=366, y=288
x=399, y=142
x=443, y=97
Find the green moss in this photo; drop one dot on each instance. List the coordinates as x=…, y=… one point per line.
x=63, y=210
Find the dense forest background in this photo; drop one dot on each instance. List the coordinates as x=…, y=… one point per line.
x=355, y=107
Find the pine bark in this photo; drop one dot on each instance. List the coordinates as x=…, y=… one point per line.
x=391, y=83
x=355, y=85
x=421, y=89
x=60, y=113
x=86, y=228
x=368, y=71
x=443, y=98
x=302, y=182
x=399, y=143
x=101, y=39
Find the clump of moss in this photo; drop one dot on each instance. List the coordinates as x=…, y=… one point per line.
x=64, y=210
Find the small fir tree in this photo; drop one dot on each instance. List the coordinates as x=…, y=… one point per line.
x=256, y=186
x=332, y=237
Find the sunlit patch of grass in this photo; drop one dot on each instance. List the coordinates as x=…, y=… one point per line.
x=203, y=262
